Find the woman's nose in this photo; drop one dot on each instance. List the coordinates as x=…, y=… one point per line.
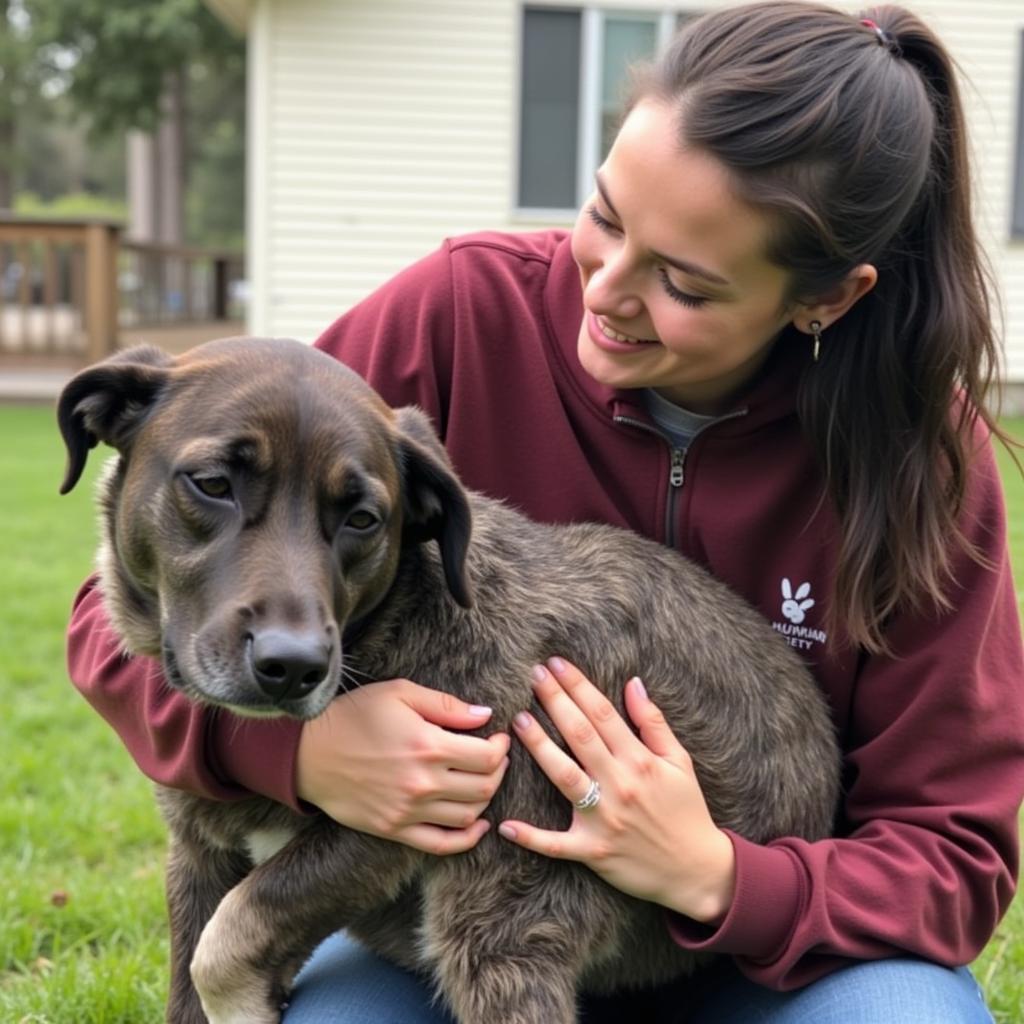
x=611, y=290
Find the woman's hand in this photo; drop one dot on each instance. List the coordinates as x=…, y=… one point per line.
x=650, y=833
x=382, y=760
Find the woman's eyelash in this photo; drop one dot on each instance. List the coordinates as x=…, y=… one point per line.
x=685, y=298
x=693, y=301
x=603, y=223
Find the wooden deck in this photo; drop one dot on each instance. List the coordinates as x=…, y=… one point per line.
x=74, y=291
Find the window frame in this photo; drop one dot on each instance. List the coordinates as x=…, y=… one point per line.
x=1017, y=187
x=592, y=29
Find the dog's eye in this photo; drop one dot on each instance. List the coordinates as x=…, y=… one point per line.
x=212, y=486
x=361, y=520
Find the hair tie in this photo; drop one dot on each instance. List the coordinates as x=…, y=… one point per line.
x=884, y=38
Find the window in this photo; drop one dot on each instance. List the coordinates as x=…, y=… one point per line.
x=1017, y=224
x=575, y=65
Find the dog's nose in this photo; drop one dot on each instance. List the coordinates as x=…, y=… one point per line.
x=288, y=665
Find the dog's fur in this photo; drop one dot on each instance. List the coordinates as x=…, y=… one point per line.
x=252, y=888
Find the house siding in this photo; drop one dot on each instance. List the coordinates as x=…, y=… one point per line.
x=377, y=129
x=389, y=127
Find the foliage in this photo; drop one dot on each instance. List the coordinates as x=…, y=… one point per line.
x=82, y=924
x=76, y=204
x=19, y=89
x=114, y=56
x=75, y=75
x=215, y=142
x=57, y=155
x=19, y=73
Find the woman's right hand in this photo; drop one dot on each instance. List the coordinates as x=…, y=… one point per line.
x=382, y=759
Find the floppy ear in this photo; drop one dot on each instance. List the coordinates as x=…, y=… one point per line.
x=107, y=402
x=435, y=503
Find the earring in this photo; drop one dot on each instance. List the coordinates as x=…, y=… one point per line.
x=815, y=326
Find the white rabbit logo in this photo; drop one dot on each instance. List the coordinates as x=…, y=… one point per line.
x=794, y=605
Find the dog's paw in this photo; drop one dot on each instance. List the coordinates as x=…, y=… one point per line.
x=231, y=988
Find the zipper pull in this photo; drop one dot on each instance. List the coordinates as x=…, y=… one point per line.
x=675, y=477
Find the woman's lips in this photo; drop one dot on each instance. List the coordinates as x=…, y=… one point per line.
x=608, y=338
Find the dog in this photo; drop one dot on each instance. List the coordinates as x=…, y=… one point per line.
x=272, y=526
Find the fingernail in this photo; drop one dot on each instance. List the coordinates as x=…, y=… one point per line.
x=479, y=711
x=507, y=831
x=638, y=687
x=556, y=664
x=522, y=720
x=539, y=673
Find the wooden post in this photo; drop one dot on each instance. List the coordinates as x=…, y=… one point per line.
x=100, y=290
x=220, y=288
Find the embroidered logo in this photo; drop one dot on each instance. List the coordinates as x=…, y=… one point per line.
x=795, y=606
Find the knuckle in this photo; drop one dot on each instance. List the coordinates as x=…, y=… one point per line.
x=423, y=745
x=440, y=845
x=416, y=788
x=386, y=823
x=628, y=794
x=604, y=710
x=571, y=777
x=582, y=732
x=656, y=717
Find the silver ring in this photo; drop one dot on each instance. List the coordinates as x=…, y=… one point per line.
x=591, y=798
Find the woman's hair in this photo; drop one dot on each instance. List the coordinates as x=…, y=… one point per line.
x=851, y=137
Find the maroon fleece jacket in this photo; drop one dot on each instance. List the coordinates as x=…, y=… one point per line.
x=482, y=335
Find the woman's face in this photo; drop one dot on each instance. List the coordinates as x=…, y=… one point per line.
x=678, y=293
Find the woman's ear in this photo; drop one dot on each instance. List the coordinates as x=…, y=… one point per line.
x=827, y=308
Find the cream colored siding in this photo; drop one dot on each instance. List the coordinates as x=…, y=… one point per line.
x=379, y=127
x=985, y=39
x=389, y=127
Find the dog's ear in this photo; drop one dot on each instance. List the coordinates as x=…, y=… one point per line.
x=435, y=503
x=107, y=402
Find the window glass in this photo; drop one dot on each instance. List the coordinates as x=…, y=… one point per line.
x=549, y=113
x=626, y=41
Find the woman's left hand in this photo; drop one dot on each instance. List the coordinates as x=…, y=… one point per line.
x=650, y=833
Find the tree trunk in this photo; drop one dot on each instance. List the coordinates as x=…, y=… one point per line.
x=171, y=155
x=156, y=173
x=8, y=62
x=6, y=164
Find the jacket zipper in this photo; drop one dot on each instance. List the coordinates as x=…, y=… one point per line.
x=677, y=465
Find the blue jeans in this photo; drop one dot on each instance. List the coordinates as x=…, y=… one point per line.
x=345, y=984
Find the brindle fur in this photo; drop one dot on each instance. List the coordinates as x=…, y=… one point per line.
x=505, y=935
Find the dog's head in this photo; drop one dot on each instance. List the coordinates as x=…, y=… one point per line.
x=260, y=506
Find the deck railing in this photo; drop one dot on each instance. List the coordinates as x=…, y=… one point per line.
x=68, y=287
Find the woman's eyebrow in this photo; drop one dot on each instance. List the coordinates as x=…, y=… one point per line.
x=684, y=265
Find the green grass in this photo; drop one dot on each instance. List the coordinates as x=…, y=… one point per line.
x=82, y=924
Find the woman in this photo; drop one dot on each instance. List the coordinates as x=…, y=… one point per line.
x=767, y=343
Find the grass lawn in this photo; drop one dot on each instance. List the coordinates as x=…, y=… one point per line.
x=82, y=924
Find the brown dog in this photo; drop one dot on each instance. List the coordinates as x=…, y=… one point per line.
x=270, y=525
